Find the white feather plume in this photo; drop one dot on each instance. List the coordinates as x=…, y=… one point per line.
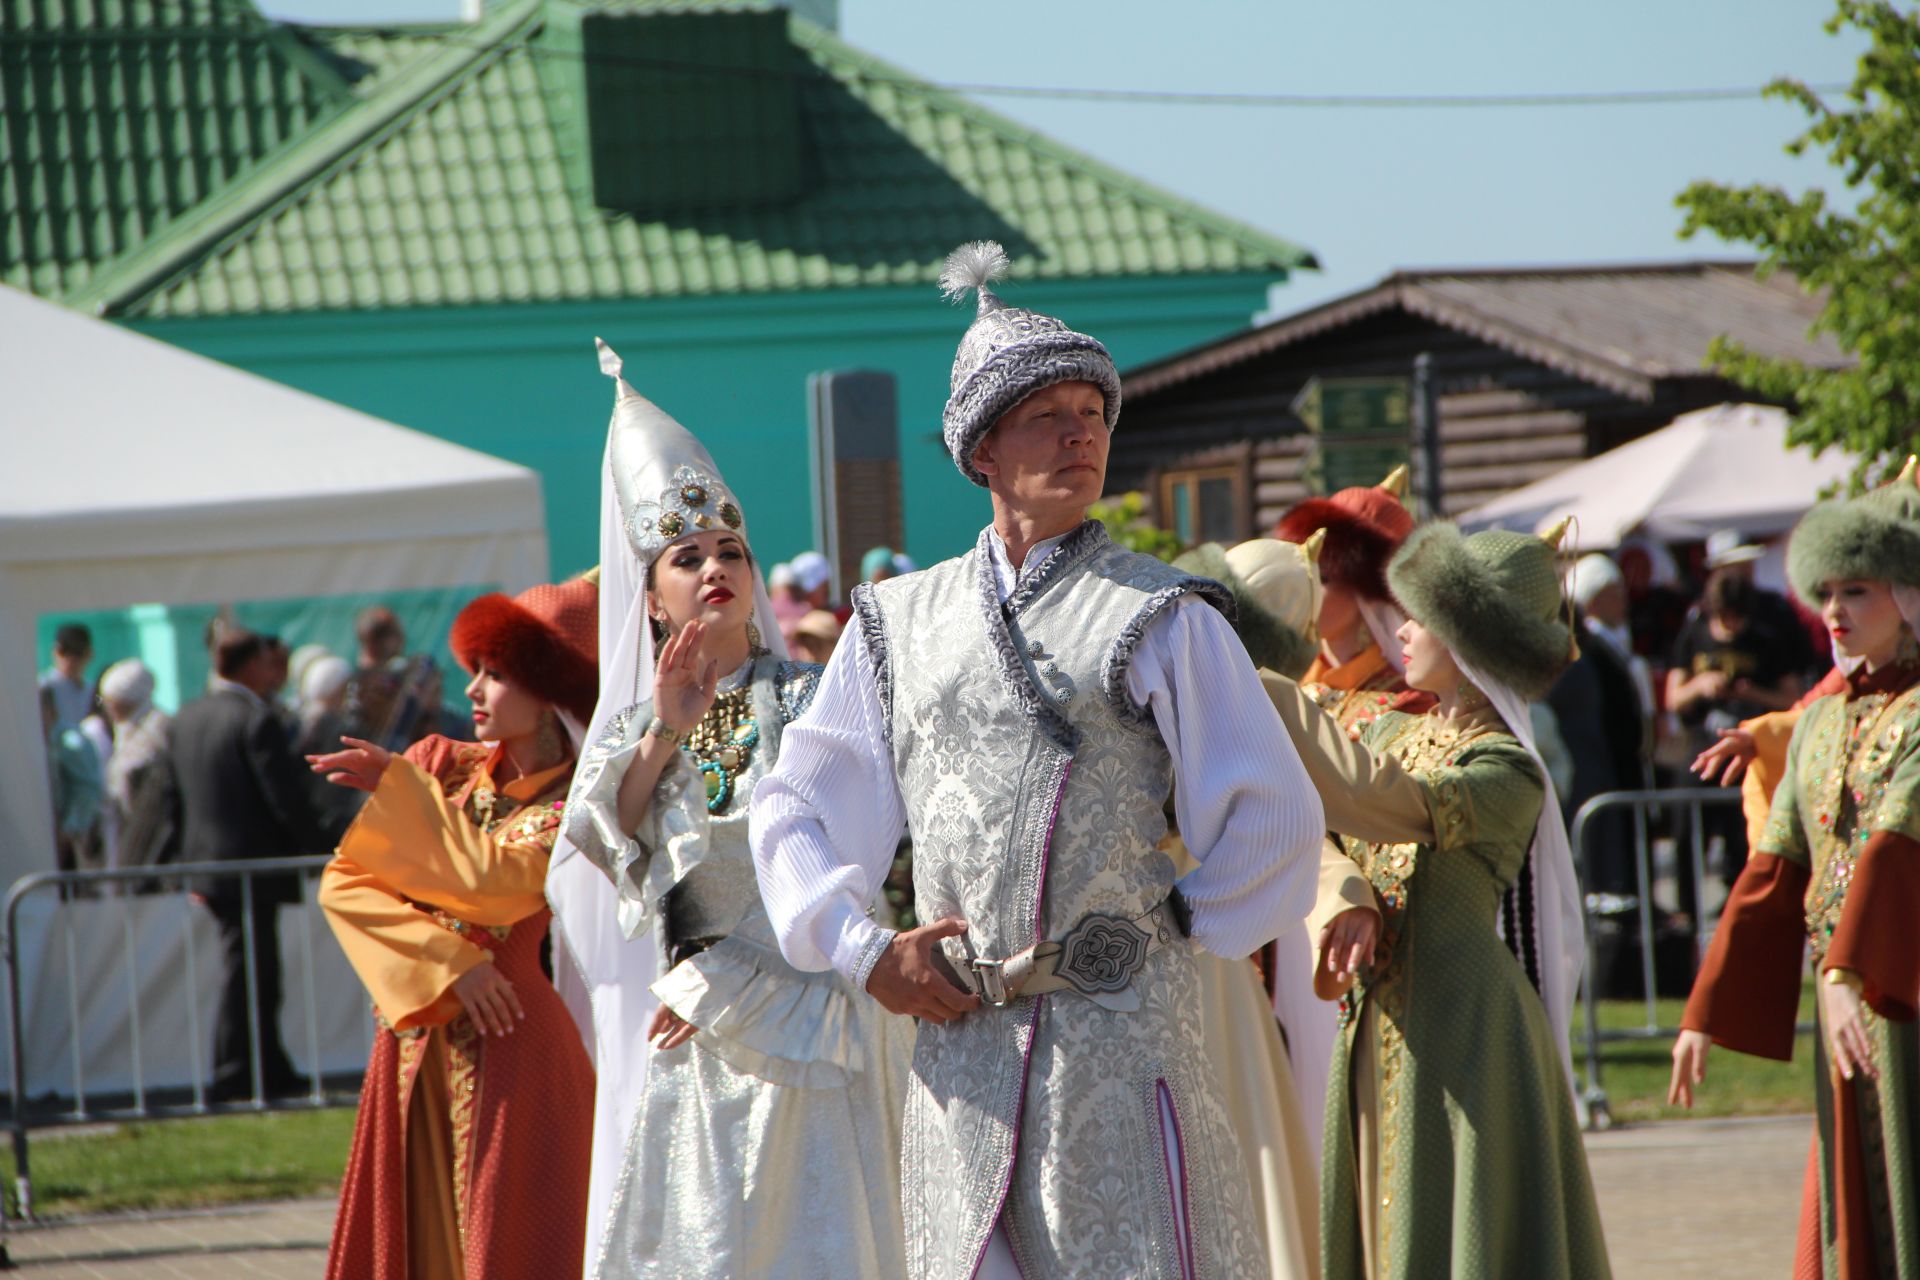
x=972, y=266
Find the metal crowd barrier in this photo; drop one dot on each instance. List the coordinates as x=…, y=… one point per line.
x=53, y=1110
x=1688, y=803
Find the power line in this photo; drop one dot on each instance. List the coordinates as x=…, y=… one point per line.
x=452, y=37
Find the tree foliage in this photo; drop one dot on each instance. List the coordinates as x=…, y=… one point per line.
x=1865, y=263
x=1126, y=519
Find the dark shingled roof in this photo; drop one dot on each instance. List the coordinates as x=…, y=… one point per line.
x=1620, y=327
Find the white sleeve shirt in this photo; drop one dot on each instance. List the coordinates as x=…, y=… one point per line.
x=826, y=821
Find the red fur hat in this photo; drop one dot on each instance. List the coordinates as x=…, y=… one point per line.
x=546, y=640
x=1365, y=525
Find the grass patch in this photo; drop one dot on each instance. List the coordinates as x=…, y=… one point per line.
x=177, y=1164
x=1635, y=1072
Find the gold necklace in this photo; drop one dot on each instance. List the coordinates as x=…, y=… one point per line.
x=722, y=743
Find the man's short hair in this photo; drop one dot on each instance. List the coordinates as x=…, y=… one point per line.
x=73, y=639
x=235, y=648
x=377, y=626
x=1729, y=594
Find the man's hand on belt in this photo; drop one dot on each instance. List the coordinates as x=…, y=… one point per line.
x=906, y=978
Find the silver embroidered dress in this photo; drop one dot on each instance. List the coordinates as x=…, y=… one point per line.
x=769, y=1145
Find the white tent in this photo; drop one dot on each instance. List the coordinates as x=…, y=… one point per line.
x=1727, y=467
x=138, y=472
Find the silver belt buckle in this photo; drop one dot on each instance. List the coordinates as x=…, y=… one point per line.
x=991, y=975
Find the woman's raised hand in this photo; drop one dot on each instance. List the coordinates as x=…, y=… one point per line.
x=1728, y=758
x=359, y=766
x=686, y=678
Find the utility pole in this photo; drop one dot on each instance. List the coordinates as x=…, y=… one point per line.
x=1426, y=437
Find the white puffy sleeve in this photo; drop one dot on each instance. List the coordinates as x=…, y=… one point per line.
x=826, y=821
x=1246, y=808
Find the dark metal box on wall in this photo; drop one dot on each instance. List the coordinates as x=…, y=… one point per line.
x=854, y=418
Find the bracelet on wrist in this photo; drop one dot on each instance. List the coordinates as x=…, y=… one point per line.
x=660, y=729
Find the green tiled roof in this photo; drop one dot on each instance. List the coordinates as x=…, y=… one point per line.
x=453, y=176
x=118, y=116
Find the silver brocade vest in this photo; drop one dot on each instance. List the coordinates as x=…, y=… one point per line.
x=1034, y=790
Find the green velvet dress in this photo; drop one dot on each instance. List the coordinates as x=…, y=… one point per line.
x=1451, y=1142
x=1838, y=871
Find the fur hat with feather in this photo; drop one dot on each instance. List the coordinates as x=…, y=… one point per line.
x=1007, y=354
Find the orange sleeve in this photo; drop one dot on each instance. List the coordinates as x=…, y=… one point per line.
x=408, y=962
x=1747, y=994
x=1876, y=938
x=1771, y=734
x=421, y=845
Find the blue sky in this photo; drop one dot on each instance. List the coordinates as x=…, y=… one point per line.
x=1371, y=190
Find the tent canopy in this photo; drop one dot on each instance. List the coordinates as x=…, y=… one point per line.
x=1727, y=467
x=142, y=473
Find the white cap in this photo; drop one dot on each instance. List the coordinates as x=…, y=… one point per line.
x=811, y=571
x=781, y=575
x=127, y=680
x=1725, y=547
x=1591, y=575
x=324, y=677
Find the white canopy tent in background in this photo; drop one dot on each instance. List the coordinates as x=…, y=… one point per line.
x=1727, y=467
x=137, y=473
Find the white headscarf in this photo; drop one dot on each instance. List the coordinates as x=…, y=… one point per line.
x=604, y=976
x=1558, y=917
x=1384, y=620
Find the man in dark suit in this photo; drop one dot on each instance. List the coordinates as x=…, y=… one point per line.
x=244, y=796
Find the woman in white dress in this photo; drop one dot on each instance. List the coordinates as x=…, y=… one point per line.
x=766, y=1137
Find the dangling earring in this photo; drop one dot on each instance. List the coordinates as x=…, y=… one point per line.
x=552, y=745
x=755, y=644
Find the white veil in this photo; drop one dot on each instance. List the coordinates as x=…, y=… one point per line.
x=1384, y=621
x=604, y=975
x=1559, y=918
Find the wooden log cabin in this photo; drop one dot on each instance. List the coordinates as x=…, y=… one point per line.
x=1531, y=370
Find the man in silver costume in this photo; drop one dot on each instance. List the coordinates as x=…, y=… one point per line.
x=1025, y=710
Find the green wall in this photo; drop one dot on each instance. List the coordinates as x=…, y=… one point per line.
x=521, y=382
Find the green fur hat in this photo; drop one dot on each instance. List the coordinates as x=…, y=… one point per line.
x=1492, y=598
x=1273, y=642
x=1872, y=538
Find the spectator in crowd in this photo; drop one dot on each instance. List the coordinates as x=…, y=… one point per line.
x=142, y=800
x=903, y=564
x=434, y=716
x=1604, y=703
x=812, y=585
x=376, y=687
x=815, y=636
x=323, y=723
x=73, y=772
x=1802, y=634
x=244, y=796
x=66, y=679
x=878, y=565
x=1732, y=662
x=1656, y=607
x=814, y=577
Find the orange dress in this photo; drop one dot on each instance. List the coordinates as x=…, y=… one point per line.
x=470, y=1154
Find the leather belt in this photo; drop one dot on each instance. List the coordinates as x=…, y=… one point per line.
x=1100, y=956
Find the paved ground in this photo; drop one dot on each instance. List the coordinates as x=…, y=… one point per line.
x=1702, y=1198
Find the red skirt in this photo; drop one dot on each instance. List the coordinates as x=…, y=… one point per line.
x=471, y=1153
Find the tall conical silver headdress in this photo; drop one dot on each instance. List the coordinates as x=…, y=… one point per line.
x=666, y=482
